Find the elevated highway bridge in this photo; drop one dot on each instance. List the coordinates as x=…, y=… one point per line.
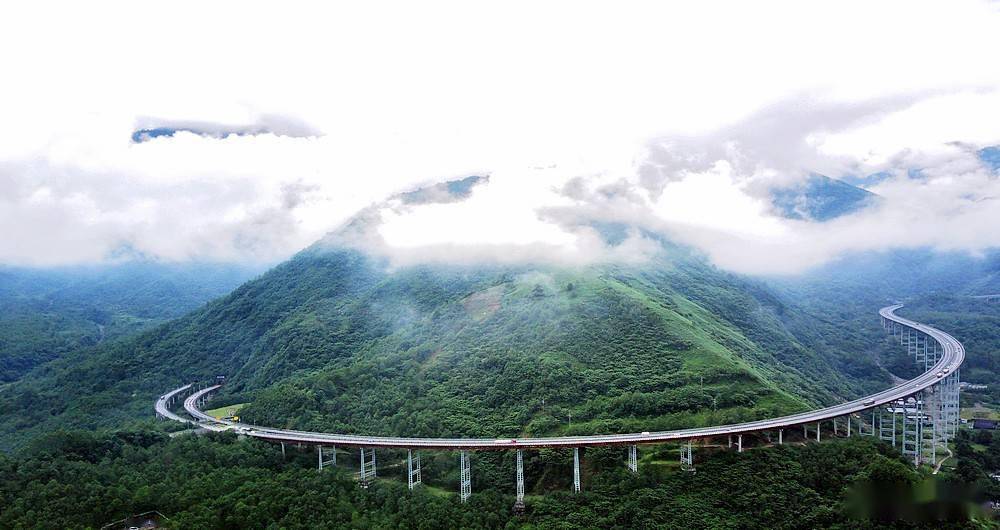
x=919, y=416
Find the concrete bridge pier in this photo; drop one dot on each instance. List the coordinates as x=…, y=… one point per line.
x=781, y=432
x=739, y=443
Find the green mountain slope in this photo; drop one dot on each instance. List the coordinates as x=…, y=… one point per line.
x=46, y=313
x=335, y=339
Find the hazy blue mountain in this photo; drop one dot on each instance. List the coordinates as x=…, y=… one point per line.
x=46, y=313
x=820, y=198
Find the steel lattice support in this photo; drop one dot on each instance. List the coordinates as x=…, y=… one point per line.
x=412, y=469
x=633, y=458
x=519, y=504
x=687, y=457
x=930, y=422
x=952, y=407
x=367, y=473
x=886, y=430
x=576, y=469
x=321, y=455
x=912, y=426
x=465, y=480
x=920, y=349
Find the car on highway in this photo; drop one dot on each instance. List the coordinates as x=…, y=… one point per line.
x=869, y=402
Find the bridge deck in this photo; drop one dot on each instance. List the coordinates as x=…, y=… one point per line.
x=953, y=354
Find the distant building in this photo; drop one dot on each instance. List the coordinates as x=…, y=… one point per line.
x=979, y=423
x=971, y=386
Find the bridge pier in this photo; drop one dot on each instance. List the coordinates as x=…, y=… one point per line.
x=780, y=433
x=282, y=450
x=323, y=462
x=576, y=470
x=633, y=458
x=912, y=435
x=465, y=479
x=368, y=471
x=739, y=443
x=848, y=425
x=519, y=503
x=687, y=457
x=895, y=412
x=412, y=469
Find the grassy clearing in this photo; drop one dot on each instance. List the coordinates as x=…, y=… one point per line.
x=224, y=412
x=979, y=411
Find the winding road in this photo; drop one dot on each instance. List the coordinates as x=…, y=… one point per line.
x=952, y=356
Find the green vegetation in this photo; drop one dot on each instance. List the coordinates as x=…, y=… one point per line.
x=82, y=480
x=48, y=313
x=977, y=325
x=226, y=411
x=336, y=340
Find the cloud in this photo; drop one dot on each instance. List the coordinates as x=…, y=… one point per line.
x=147, y=128
x=675, y=119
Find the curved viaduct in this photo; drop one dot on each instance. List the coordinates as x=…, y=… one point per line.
x=920, y=415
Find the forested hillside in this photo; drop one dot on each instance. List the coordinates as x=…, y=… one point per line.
x=977, y=325
x=336, y=339
x=47, y=313
x=82, y=480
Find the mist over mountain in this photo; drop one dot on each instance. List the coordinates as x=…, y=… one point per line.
x=46, y=313
x=342, y=340
x=820, y=198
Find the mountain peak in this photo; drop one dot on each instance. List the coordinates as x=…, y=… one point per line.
x=820, y=198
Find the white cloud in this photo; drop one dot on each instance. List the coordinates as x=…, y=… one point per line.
x=742, y=96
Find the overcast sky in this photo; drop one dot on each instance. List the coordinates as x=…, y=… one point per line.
x=678, y=120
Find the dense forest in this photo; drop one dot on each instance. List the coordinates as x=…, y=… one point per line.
x=84, y=480
x=335, y=339
x=48, y=313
